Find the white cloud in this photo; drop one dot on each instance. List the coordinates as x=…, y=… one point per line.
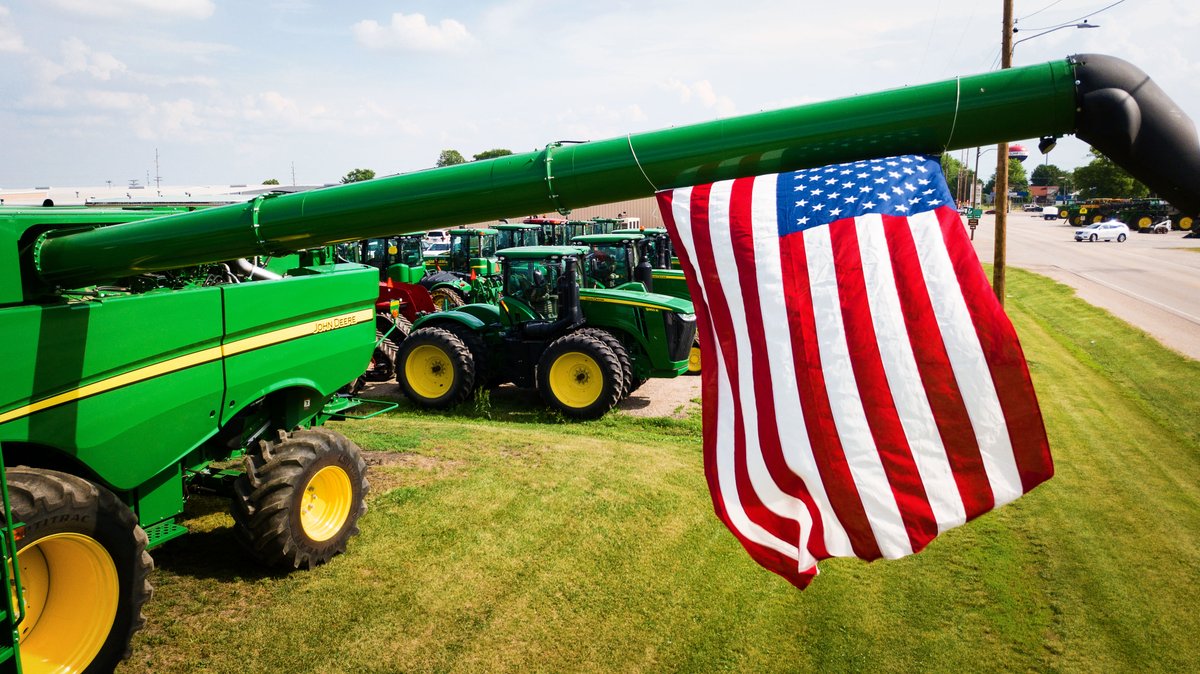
x=10, y=38
x=171, y=9
x=412, y=32
x=703, y=92
x=80, y=58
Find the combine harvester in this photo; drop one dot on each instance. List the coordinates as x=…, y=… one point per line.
x=127, y=380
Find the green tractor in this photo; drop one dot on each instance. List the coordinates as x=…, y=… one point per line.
x=622, y=260
x=518, y=234
x=468, y=273
x=582, y=349
x=146, y=359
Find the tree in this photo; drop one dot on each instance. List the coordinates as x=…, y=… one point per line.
x=450, y=158
x=953, y=168
x=1018, y=181
x=358, y=175
x=271, y=181
x=1102, y=178
x=492, y=154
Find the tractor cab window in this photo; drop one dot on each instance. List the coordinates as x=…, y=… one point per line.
x=534, y=282
x=487, y=246
x=408, y=251
x=374, y=252
x=460, y=251
x=608, y=266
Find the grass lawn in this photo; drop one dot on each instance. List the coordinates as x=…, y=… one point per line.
x=499, y=539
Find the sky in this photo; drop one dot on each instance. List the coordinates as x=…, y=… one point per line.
x=304, y=91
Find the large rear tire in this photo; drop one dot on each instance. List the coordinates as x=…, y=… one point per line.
x=445, y=299
x=610, y=340
x=84, y=572
x=436, y=369
x=579, y=376
x=298, y=503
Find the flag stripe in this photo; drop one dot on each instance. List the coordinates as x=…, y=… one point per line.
x=904, y=377
x=815, y=406
x=1005, y=359
x=945, y=397
x=882, y=417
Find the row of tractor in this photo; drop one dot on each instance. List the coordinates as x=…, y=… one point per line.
x=158, y=355
x=1138, y=214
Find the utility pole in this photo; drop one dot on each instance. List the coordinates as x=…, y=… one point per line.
x=293, y=174
x=1001, y=250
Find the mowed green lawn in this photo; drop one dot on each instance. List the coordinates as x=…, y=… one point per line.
x=501, y=540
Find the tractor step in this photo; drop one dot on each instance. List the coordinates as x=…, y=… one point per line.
x=338, y=408
x=162, y=532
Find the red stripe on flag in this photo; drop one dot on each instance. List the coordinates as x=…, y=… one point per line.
x=882, y=417
x=814, y=401
x=1002, y=350
x=741, y=232
x=783, y=528
x=937, y=375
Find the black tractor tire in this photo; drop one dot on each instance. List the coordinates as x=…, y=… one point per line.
x=84, y=566
x=579, y=376
x=622, y=354
x=298, y=502
x=381, y=368
x=435, y=368
x=479, y=352
x=445, y=299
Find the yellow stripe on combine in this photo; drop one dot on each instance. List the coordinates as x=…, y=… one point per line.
x=190, y=360
x=652, y=307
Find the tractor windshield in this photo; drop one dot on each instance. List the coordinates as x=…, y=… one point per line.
x=608, y=266
x=511, y=238
x=534, y=282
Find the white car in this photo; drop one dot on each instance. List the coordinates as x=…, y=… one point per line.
x=437, y=250
x=1109, y=230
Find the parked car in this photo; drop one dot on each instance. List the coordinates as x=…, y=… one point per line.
x=437, y=249
x=1109, y=230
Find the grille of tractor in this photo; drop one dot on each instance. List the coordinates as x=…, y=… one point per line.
x=681, y=332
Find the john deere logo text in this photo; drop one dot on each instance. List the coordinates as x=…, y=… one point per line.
x=333, y=324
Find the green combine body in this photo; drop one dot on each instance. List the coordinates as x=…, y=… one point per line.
x=145, y=351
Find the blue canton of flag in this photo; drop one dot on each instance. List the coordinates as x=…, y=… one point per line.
x=900, y=186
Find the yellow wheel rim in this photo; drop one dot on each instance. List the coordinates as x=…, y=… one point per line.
x=1062, y=214
x=1185, y=223
x=1097, y=218
x=576, y=380
x=694, y=359
x=70, y=586
x=429, y=372
x=1144, y=222
x=325, y=503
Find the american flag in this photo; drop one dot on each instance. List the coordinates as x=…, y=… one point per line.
x=863, y=389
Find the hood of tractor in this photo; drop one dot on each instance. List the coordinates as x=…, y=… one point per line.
x=653, y=301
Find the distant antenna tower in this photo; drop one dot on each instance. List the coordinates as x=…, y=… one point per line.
x=293, y=174
x=157, y=177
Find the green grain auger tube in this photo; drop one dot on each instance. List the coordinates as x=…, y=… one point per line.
x=142, y=353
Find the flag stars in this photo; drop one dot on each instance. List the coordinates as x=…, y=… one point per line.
x=908, y=170
x=802, y=203
x=851, y=199
x=831, y=181
x=847, y=186
x=909, y=187
x=802, y=221
x=818, y=191
x=835, y=212
x=894, y=175
x=868, y=204
x=834, y=195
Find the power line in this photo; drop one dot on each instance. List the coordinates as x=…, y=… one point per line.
x=1085, y=16
x=1040, y=10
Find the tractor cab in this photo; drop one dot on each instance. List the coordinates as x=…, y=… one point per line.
x=614, y=261
x=658, y=249
x=533, y=281
x=472, y=252
x=398, y=258
x=549, y=230
x=512, y=236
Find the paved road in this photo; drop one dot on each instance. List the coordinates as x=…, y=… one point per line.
x=1151, y=280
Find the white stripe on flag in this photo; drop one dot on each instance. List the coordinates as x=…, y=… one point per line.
x=966, y=358
x=725, y=459
x=748, y=365
x=904, y=378
x=781, y=364
x=862, y=455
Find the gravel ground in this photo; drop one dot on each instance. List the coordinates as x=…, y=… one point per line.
x=664, y=398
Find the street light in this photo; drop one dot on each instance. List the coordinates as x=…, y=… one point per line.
x=975, y=182
x=1083, y=24
x=1008, y=46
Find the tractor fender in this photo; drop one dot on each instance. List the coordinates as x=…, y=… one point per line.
x=457, y=317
